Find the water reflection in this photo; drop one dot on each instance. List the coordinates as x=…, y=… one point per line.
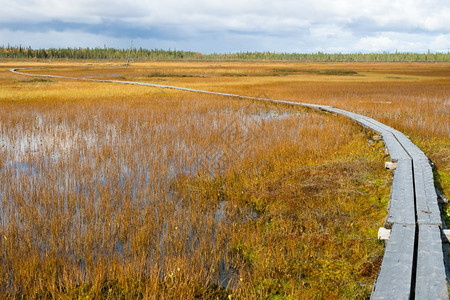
x=107, y=190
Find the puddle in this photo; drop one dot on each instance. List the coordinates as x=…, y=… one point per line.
x=19, y=168
x=275, y=115
x=220, y=211
x=92, y=165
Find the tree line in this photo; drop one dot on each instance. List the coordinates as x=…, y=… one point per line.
x=159, y=54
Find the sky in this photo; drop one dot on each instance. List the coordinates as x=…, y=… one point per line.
x=228, y=26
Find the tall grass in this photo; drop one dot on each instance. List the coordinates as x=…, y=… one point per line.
x=122, y=191
x=411, y=97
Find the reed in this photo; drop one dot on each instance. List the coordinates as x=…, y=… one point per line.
x=113, y=191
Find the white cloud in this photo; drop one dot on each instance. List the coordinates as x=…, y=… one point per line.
x=403, y=43
x=234, y=25
x=375, y=44
x=440, y=43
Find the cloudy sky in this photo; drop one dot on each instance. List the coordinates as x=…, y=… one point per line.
x=224, y=26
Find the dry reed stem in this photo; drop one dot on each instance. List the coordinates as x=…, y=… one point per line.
x=106, y=190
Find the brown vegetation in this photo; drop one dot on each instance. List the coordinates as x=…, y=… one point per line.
x=109, y=190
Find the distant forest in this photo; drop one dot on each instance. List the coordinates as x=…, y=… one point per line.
x=155, y=54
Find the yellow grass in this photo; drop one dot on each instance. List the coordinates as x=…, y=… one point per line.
x=112, y=190
x=411, y=97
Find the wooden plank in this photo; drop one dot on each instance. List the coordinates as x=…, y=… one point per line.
x=431, y=282
x=396, y=151
x=427, y=206
x=401, y=204
x=394, y=279
x=409, y=146
x=406, y=143
x=413, y=151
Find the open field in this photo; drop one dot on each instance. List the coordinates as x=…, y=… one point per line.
x=411, y=97
x=112, y=190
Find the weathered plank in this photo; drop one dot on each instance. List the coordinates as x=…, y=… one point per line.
x=409, y=146
x=401, y=204
x=395, y=148
x=413, y=199
x=428, y=212
x=396, y=151
x=394, y=279
x=431, y=280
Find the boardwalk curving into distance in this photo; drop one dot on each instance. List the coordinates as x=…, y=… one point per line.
x=413, y=263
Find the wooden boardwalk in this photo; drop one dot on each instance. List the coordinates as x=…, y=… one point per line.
x=413, y=263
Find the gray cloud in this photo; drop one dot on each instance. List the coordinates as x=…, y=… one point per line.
x=229, y=26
